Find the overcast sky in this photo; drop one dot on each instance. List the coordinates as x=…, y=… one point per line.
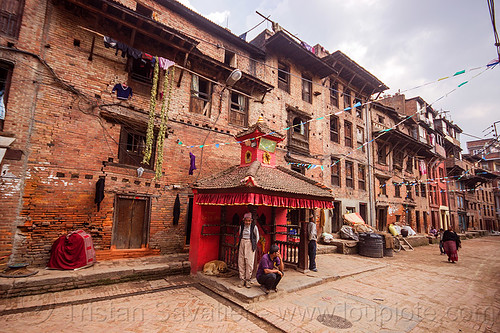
x=404, y=43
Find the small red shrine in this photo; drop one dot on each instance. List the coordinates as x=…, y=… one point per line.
x=271, y=193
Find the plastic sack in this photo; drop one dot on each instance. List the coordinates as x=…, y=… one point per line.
x=346, y=232
x=393, y=230
x=411, y=232
x=327, y=238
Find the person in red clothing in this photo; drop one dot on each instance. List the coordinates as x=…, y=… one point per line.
x=451, y=244
x=270, y=270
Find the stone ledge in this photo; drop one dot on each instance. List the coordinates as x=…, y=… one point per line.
x=65, y=280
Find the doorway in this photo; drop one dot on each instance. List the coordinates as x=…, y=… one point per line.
x=382, y=218
x=189, y=220
x=131, y=225
x=362, y=211
x=336, y=224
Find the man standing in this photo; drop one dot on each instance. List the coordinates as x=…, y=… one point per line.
x=249, y=234
x=270, y=270
x=312, y=235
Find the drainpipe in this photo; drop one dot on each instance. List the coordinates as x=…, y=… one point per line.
x=371, y=185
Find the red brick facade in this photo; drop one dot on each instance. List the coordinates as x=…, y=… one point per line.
x=70, y=129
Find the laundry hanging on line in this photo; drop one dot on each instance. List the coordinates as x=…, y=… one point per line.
x=123, y=92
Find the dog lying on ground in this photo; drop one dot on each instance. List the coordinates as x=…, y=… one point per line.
x=214, y=267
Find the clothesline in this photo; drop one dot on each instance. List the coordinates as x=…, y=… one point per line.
x=176, y=65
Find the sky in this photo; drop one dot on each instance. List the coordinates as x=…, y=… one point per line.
x=404, y=43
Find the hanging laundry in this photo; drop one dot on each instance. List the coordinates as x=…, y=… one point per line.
x=177, y=210
x=134, y=53
x=322, y=218
x=307, y=47
x=109, y=42
x=192, y=164
x=422, y=167
x=122, y=91
x=165, y=63
x=2, y=105
x=99, y=192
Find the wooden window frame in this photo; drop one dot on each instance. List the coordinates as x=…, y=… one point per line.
x=382, y=186
x=334, y=129
x=334, y=94
x=238, y=109
x=347, y=99
x=409, y=192
x=362, y=141
x=200, y=101
x=349, y=174
x=283, y=76
x=306, y=85
x=348, y=142
x=361, y=177
x=359, y=109
x=11, y=17
x=134, y=156
x=5, y=82
x=397, y=190
x=381, y=155
x=336, y=173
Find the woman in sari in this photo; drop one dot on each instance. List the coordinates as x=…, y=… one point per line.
x=451, y=243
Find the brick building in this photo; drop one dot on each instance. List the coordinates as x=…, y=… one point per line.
x=70, y=129
x=70, y=120
x=70, y=123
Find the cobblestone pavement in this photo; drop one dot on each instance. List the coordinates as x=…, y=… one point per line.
x=415, y=291
x=418, y=291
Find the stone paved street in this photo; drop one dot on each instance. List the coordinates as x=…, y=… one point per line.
x=415, y=291
x=419, y=292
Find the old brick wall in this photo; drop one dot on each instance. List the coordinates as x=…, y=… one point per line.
x=20, y=115
x=70, y=144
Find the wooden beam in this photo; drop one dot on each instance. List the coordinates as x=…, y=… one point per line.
x=125, y=23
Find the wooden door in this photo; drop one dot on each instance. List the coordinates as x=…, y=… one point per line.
x=130, y=229
x=382, y=218
x=336, y=220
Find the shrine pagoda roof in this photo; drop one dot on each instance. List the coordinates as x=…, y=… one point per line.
x=256, y=176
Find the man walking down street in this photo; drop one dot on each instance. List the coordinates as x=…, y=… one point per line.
x=249, y=234
x=312, y=235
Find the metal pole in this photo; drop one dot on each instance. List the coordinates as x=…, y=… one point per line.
x=371, y=185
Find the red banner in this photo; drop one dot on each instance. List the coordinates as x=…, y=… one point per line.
x=225, y=199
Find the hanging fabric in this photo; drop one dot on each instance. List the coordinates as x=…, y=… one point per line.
x=151, y=122
x=99, y=192
x=192, y=163
x=165, y=63
x=177, y=210
x=167, y=85
x=123, y=92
